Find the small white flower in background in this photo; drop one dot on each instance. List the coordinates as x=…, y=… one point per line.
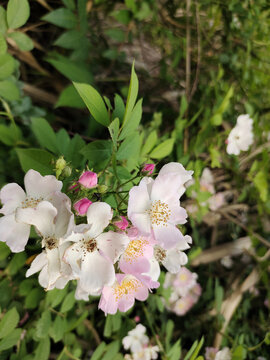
x=148, y=353
x=224, y=354
x=136, y=339
x=38, y=188
x=227, y=262
x=241, y=136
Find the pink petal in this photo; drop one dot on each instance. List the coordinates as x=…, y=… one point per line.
x=167, y=235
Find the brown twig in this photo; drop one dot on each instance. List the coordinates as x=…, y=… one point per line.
x=257, y=236
x=188, y=3
x=94, y=332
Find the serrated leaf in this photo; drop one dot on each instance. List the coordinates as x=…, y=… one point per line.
x=55, y=296
x=33, y=298
x=61, y=17
x=18, y=12
x=36, y=159
x=23, y=41
x=97, y=151
x=162, y=150
x=7, y=66
x=9, y=322
x=42, y=351
x=119, y=108
x=129, y=147
x=9, y=135
x=11, y=340
x=43, y=325
x=94, y=103
x=68, y=302
x=58, y=329
x=44, y=134
x=16, y=263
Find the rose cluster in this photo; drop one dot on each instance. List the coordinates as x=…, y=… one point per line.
x=185, y=291
x=119, y=261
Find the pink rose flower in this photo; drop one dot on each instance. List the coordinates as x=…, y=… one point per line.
x=148, y=168
x=82, y=206
x=88, y=179
x=122, y=224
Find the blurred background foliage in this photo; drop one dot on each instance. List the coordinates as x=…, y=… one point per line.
x=200, y=64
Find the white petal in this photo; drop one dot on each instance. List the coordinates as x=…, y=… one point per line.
x=80, y=294
x=96, y=272
x=99, y=215
x=167, y=235
x=54, y=266
x=139, y=200
x=112, y=244
x=72, y=256
x=38, y=186
x=43, y=277
x=37, y=264
x=174, y=260
x=154, y=271
x=13, y=233
x=142, y=222
x=64, y=220
x=11, y=196
x=42, y=217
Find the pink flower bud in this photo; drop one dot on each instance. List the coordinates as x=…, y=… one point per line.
x=123, y=224
x=82, y=206
x=226, y=141
x=148, y=168
x=88, y=179
x=137, y=319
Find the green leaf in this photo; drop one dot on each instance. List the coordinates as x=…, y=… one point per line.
x=267, y=338
x=150, y=142
x=132, y=95
x=4, y=251
x=191, y=350
x=119, y=108
x=162, y=150
x=198, y=348
x=70, y=39
x=43, y=325
x=72, y=70
x=114, y=131
x=3, y=44
x=62, y=17
x=18, y=12
x=68, y=302
x=7, y=66
x=9, y=135
x=216, y=119
x=111, y=350
x=55, y=296
x=44, y=134
x=183, y=106
x=260, y=181
x=73, y=152
x=69, y=4
x=169, y=332
x=11, y=340
x=133, y=121
x=9, y=322
x=175, y=351
x=36, y=159
x=42, y=351
x=116, y=34
x=129, y=147
x=9, y=91
x=33, y=298
x=94, y=103
x=23, y=41
x=3, y=21
x=97, y=355
x=69, y=97
x=16, y=263
x=58, y=328
x=239, y=353
x=97, y=151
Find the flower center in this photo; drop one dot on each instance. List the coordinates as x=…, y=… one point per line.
x=159, y=213
x=135, y=249
x=88, y=245
x=127, y=287
x=31, y=202
x=159, y=253
x=51, y=243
